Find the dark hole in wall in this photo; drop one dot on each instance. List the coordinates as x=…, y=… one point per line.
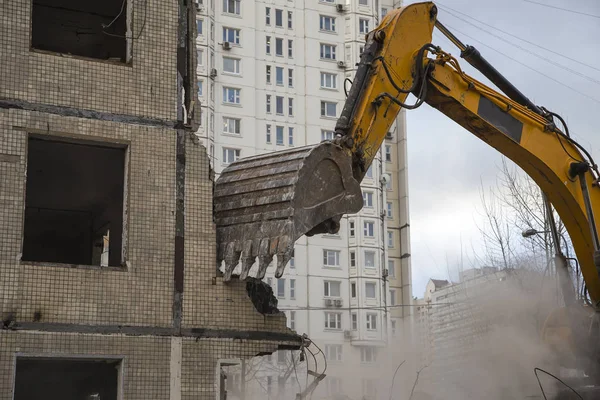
x=77, y=27
x=66, y=379
x=74, y=203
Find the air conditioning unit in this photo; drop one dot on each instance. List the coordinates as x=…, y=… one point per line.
x=213, y=72
x=341, y=64
x=340, y=7
x=347, y=334
x=386, y=272
x=388, y=135
x=328, y=302
x=338, y=302
x=226, y=46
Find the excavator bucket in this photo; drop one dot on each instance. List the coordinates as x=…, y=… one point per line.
x=264, y=203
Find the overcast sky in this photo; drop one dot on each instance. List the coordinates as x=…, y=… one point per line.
x=447, y=164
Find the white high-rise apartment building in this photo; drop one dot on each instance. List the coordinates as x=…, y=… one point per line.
x=271, y=76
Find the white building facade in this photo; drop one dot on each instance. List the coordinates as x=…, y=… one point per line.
x=271, y=76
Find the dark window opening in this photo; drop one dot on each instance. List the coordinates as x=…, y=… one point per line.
x=95, y=29
x=67, y=379
x=74, y=203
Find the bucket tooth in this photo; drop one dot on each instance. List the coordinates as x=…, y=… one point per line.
x=264, y=258
x=284, y=253
x=232, y=258
x=248, y=259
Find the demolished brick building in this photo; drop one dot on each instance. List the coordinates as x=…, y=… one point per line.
x=108, y=280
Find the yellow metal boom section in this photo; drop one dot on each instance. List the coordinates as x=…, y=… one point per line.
x=525, y=137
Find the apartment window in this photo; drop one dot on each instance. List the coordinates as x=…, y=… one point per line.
x=327, y=135
x=59, y=26
x=351, y=227
x=212, y=122
x=268, y=134
x=331, y=258
x=388, y=185
x=389, y=209
x=363, y=25
x=230, y=155
x=290, y=48
x=368, y=229
x=281, y=357
x=231, y=65
x=371, y=322
x=269, y=384
x=279, y=105
x=231, y=35
x=290, y=136
x=291, y=107
x=363, y=2
x=267, y=15
x=212, y=31
x=231, y=6
x=391, y=269
x=63, y=228
x=333, y=352
x=328, y=80
x=327, y=23
x=327, y=51
x=268, y=72
x=200, y=58
x=292, y=289
x=370, y=290
x=331, y=289
x=327, y=1
x=279, y=76
x=212, y=59
x=268, y=45
x=279, y=47
x=361, y=49
x=281, y=288
x=212, y=91
x=278, y=17
x=200, y=88
x=290, y=20
x=369, y=173
x=290, y=77
x=390, y=237
x=231, y=95
x=57, y=378
x=328, y=109
x=353, y=290
x=392, y=297
x=200, y=24
x=393, y=322
x=293, y=259
x=279, y=135
x=369, y=259
x=333, y=320
x=353, y=258
x=384, y=12
x=368, y=199
x=388, y=153
x=368, y=354
x=354, y=319
x=268, y=104
x=232, y=125
x=292, y=320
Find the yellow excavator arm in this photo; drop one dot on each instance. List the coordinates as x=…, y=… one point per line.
x=263, y=204
x=399, y=60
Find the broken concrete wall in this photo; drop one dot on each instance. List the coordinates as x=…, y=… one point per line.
x=163, y=308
